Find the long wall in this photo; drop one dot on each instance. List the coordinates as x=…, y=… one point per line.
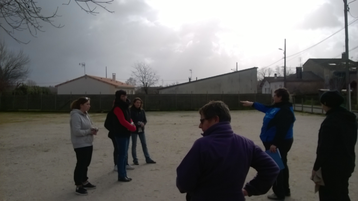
x=88, y=85
x=85, y=85
x=100, y=103
x=243, y=82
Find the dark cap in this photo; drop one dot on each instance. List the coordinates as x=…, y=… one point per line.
x=331, y=99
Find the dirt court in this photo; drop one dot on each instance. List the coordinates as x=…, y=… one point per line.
x=37, y=158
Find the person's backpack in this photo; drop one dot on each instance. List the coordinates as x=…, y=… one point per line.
x=108, y=123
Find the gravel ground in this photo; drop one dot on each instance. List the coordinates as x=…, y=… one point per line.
x=37, y=158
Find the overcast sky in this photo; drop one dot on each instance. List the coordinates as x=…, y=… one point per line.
x=206, y=36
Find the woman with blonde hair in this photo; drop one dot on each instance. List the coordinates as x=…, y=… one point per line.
x=82, y=132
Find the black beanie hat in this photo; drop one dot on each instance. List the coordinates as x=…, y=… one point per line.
x=119, y=93
x=331, y=99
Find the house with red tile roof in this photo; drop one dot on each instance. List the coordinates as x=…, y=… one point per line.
x=89, y=84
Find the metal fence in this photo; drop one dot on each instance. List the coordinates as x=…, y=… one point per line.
x=103, y=103
x=310, y=104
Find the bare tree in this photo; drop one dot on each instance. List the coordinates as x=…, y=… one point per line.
x=12, y=67
x=145, y=75
x=20, y=15
x=88, y=8
x=264, y=72
x=279, y=71
x=31, y=83
x=131, y=81
x=289, y=71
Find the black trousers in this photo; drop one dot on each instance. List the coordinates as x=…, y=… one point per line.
x=282, y=187
x=84, y=156
x=335, y=188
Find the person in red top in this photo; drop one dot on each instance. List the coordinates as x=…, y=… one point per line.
x=123, y=126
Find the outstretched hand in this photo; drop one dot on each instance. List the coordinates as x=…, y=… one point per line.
x=247, y=103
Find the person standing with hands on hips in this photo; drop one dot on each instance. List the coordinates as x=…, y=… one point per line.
x=277, y=133
x=122, y=128
x=140, y=120
x=82, y=132
x=216, y=166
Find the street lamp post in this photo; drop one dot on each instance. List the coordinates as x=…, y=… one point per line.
x=284, y=63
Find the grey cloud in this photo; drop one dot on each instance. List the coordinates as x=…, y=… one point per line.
x=326, y=16
x=120, y=39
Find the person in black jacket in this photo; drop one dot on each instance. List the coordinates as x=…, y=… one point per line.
x=140, y=120
x=335, y=151
x=121, y=129
x=277, y=133
x=108, y=125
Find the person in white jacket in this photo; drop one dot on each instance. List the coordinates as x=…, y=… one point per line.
x=82, y=132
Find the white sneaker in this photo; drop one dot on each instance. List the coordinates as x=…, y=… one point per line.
x=115, y=168
x=128, y=167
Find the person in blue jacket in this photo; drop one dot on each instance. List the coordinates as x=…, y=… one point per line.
x=277, y=133
x=216, y=166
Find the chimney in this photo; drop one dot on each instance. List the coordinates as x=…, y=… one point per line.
x=275, y=76
x=113, y=76
x=189, y=79
x=237, y=66
x=299, y=72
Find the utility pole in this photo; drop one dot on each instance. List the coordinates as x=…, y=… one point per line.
x=284, y=65
x=84, y=67
x=346, y=56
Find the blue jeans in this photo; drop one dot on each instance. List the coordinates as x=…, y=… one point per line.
x=144, y=146
x=122, y=148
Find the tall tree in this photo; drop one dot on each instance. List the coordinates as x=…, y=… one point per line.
x=131, y=81
x=20, y=15
x=264, y=72
x=145, y=75
x=13, y=67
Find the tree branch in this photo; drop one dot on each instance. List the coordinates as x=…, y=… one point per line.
x=20, y=15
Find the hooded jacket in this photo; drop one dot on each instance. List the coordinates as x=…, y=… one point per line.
x=336, y=141
x=80, y=125
x=216, y=167
x=278, y=122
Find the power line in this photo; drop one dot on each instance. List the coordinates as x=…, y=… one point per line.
x=350, y=11
x=274, y=63
x=353, y=48
x=321, y=40
x=352, y=15
x=348, y=51
x=295, y=54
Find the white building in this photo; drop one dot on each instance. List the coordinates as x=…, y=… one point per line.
x=270, y=84
x=89, y=84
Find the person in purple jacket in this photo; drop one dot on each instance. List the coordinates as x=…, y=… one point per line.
x=216, y=166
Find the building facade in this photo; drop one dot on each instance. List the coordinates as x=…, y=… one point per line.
x=243, y=82
x=331, y=70
x=89, y=84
